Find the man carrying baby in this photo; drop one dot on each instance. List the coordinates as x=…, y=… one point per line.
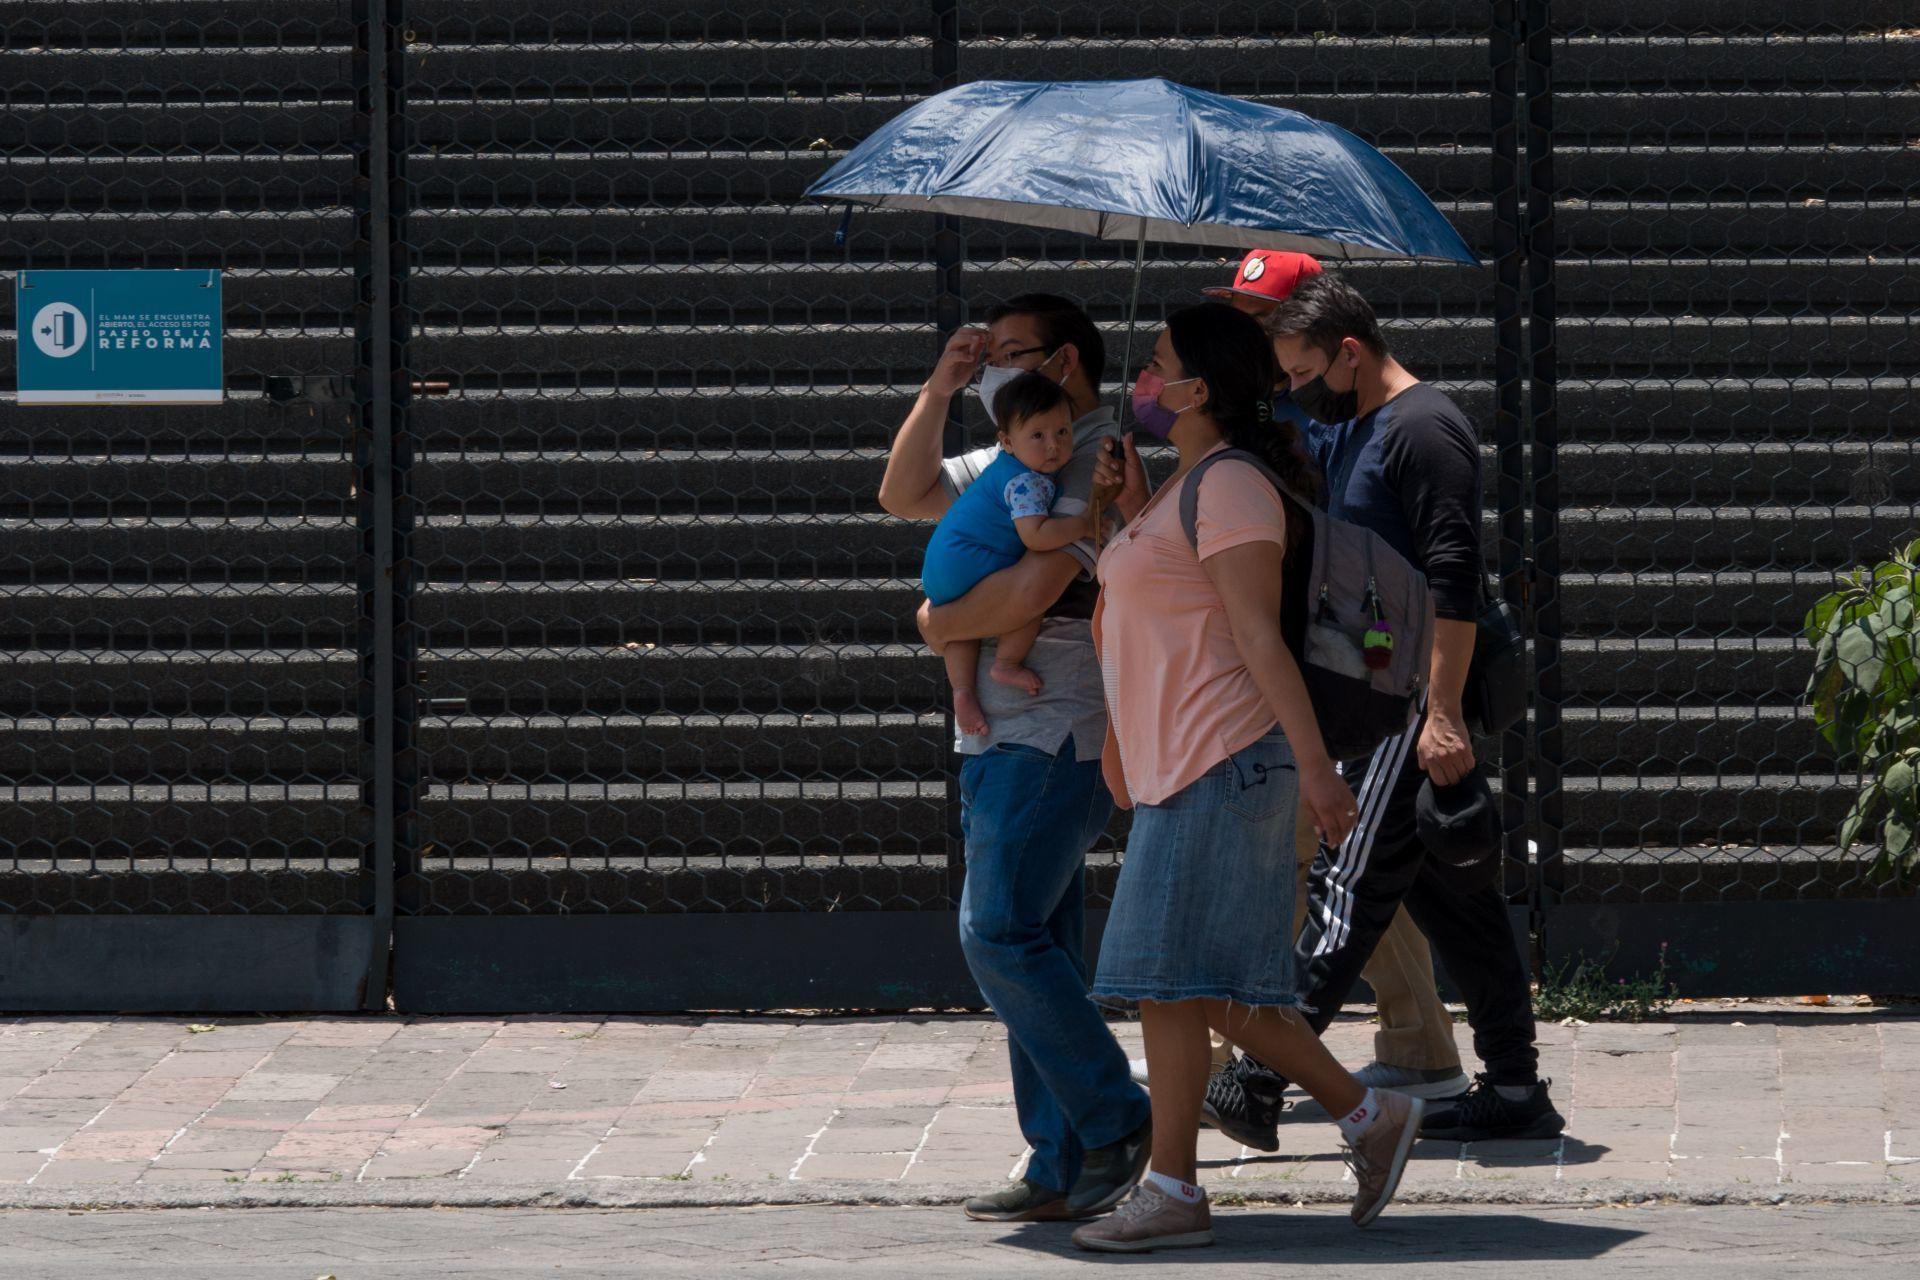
x=1032, y=801
x=1006, y=512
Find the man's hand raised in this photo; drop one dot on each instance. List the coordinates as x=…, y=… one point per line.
x=959, y=362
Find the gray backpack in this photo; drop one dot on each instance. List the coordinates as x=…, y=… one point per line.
x=1359, y=623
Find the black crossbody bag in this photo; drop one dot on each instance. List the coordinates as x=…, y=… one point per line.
x=1495, y=697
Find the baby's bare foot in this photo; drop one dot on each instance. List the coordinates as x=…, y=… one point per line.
x=1018, y=677
x=968, y=714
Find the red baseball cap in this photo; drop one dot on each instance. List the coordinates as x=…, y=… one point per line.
x=1269, y=274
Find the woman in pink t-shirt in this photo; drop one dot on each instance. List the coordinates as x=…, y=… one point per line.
x=1213, y=744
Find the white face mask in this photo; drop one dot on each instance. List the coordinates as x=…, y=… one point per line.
x=993, y=377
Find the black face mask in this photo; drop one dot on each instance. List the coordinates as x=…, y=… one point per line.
x=1323, y=404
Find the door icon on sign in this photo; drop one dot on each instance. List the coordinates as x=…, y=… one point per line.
x=59, y=330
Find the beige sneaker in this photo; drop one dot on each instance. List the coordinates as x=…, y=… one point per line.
x=1149, y=1219
x=1381, y=1153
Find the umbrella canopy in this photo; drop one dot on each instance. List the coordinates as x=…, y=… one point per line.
x=1141, y=160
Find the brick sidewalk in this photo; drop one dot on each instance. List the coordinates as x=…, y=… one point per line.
x=688, y=1110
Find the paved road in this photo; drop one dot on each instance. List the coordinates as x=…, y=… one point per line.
x=1439, y=1243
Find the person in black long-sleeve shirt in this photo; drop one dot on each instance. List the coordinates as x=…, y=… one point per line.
x=1403, y=460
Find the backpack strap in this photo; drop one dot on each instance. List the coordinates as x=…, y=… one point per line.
x=1190, y=494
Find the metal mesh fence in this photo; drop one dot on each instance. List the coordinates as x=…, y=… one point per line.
x=651, y=636
x=669, y=661
x=178, y=726
x=1736, y=422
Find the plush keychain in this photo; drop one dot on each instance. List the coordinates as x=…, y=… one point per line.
x=1376, y=646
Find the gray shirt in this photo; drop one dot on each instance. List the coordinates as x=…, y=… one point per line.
x=1072, y=701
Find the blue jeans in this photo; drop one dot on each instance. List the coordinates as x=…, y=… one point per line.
x=1029, y=819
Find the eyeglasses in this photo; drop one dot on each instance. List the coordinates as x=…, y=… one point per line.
x=1007, y=358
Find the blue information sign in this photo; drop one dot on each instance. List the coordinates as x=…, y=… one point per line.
x=119, y=337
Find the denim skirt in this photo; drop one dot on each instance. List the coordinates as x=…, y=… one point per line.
x=1204, y=906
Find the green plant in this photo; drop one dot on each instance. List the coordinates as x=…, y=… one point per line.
x=1865, y=694
x=1579, y=989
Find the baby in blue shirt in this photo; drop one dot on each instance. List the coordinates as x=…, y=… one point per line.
x=1001, y=516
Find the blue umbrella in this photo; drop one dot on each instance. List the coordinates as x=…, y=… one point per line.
x=1145, y=159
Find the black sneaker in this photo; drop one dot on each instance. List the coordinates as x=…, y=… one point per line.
x=1482, y=1115
x=1020, y=1201
x=1247, y=1115
x=1108, y=1173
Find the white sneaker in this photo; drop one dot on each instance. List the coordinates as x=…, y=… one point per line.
x=1151, y=1219
x=1137, y=1068
x=1378, y=1156
x=1414, y=1082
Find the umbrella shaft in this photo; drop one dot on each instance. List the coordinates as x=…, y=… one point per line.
x=1133, y=311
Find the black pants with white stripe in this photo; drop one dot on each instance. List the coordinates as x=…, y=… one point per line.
x=1355, y=890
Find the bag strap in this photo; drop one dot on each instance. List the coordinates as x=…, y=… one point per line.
x=1190, y=494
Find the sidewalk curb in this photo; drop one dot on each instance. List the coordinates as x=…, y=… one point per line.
x=619, y=1194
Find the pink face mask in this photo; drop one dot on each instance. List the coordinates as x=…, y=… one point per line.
x=1147, y=411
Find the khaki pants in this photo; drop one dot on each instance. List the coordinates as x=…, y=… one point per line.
x=1416, y=1030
